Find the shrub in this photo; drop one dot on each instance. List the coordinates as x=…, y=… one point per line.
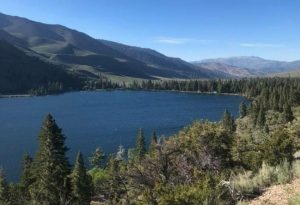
x=249, y=183
x=278, y=147
x=296, y=169
x=243, y=183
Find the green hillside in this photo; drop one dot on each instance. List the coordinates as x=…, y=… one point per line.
x=20, y=73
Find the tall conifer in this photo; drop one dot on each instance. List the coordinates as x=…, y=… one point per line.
x=81, y=183
x=153, y=142
x=27, y=176
x=261, y=118
x=51, y=186
x=140, y=145
x=228, y=121
x=288, y=113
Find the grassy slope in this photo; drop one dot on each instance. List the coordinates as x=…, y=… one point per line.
x=19, y=73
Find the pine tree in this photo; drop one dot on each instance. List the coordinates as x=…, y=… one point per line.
x=27, y=177
x=97, y=158
x=153, y=142
x=288, y=113
x=279, y=146
x=81, y=183
x=228, y=121
x=4, y=189
x=51, y=167
x=261, y=118
x=254, y=110
x=140, y=145
x=243, y=110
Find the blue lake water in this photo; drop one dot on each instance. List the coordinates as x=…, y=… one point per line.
x=106, y=119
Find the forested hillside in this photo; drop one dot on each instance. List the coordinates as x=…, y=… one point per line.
x=20, y=73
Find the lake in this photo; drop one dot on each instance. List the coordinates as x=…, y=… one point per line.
x=105, y=118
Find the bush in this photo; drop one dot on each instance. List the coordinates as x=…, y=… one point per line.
x=296, y=169
x=284, y=173
x=248, y=183
x=278, y=147
x=243, y=183
x=99, y=178
x=205, y=191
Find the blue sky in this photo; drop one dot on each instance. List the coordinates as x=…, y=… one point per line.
x=189, y=29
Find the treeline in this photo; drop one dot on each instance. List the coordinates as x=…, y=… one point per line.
x=249, y=87
x=275, y=91
x=102, y=83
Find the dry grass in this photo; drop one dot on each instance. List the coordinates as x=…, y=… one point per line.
x=249, y=184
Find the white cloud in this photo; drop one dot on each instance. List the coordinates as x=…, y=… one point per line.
x=261, y=45
x=177, y=41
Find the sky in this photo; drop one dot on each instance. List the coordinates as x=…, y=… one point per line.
x=188, y=29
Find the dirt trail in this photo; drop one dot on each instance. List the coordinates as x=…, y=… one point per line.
x=278, y=194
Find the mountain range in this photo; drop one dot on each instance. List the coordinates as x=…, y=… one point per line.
x=84, y=54
x=89, y=57
x=255, y=65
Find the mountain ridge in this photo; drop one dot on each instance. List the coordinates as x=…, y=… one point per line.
x=72, y=48
x=80, y=53
x=256, y=64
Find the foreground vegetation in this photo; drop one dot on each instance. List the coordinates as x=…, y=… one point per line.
x=226, y=162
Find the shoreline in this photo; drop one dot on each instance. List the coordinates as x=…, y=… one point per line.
x=16, y=96
x=100, y=90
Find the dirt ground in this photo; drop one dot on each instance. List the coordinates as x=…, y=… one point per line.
x=279, y=194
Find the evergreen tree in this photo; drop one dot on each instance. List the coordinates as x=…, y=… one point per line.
x=228, y=121
x=140, y=145
x=153, y=142
x=4, y=189
x=243, y=110
x=278, y=147
x=254, y=110
x=81, y=183
x=261, y=118
x=51, y=167
x=27, y=177
x=97, y=158
x=295, y=97
x=288, y=113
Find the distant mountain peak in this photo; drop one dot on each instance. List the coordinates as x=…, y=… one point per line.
x=256, y=63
